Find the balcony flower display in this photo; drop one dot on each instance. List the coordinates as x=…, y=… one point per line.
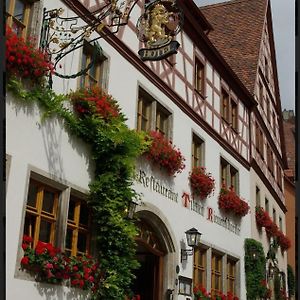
x=49, y=264
x=202, y=183
x=200, y=293
x=94, y=101
x=231, y=202
x=24, y=60
x=164, y=154
x=283, y=241
x=262, y=217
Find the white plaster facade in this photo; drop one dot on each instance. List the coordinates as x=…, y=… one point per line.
x=48, y=150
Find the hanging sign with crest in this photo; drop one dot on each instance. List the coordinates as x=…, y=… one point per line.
x=157, y=27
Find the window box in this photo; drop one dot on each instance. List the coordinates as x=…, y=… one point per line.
x=164, y=154
x=202, y=183
x=229, y=201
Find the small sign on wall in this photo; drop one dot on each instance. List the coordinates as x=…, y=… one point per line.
x=185, y=286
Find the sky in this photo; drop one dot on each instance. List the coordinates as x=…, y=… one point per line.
x=283, y=14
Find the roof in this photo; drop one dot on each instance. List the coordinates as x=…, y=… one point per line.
x=237, y=33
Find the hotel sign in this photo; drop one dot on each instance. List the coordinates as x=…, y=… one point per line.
x=157, y=27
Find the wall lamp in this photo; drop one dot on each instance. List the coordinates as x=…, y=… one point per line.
x=131, y=209
x=193, y=239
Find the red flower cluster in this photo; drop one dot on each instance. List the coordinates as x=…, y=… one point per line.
x=94, y=100
x=231, y=202
x=202, y=183
x=200, y=293
x=50, y=265
x=264, y=220
x=24, y=59
x=283, y=241
x=164, y=154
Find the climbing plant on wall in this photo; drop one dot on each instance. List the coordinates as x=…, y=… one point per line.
x=96, y=118
x=255, y=269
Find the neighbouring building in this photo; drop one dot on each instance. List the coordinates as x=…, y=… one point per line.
x=289, y=186
x=217, y=100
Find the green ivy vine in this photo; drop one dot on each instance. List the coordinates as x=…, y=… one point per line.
x=255, y=269
x=291, y=280
x=115, y=149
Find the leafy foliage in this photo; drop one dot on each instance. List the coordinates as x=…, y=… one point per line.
x=255, y=269
x=291, y=280
x=114, y=151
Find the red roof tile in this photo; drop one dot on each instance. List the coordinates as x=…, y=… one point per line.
x=237, y=32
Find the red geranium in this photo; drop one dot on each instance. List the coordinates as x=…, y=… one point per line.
x=202, y=183
x=231, y=202
x=283, y=241
x=24, y=59
x=94, y=101
x=164, y=154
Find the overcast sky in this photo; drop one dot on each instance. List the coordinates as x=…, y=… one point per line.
x=283, y=13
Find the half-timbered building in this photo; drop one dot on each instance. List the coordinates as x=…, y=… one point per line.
x=217, y=100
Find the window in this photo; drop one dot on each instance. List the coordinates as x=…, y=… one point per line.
x=151, y=115
x=225, y=105
x=78, y=223
x=199, y=76
x=41, y=212
x=94, y=75
x=44, y=219
x=259, y=140
x=274, y=215
x=266, y=69
x=280, y=223
x=199, y=267
x=267, y=205
x=261, y=92
x=17, y=16
x=257, y=196
x=229, y=176
x=234, y=115
x=231, y=276
x=197, y=152
x=270, y=160
x=162, y=120
x=216, y=274
x=278, y=175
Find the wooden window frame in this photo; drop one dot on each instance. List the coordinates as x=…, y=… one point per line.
x=225, y=105
x=156, y=113
x=77, y=227
x=21, y=24
x=231, y=277
x=234, y=114
x=197, y=151
x=257, y=196
x=229, y=175
x=39, y=214
x=144, y=104
x=58, y=217
x=200, y=268
x=199, y=82
x=86, y=79
x=267, y=205
x=216, y=273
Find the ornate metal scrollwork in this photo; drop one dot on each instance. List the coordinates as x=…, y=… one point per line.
x=63, y=35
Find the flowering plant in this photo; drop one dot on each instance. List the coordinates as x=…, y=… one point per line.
x=230, y=201
x=262, y=217
x=283, y=241
x=94, y=101
x=164, y=154
x=50, y=265
x=24, y=59
x=200, y=293
x=202, y=183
